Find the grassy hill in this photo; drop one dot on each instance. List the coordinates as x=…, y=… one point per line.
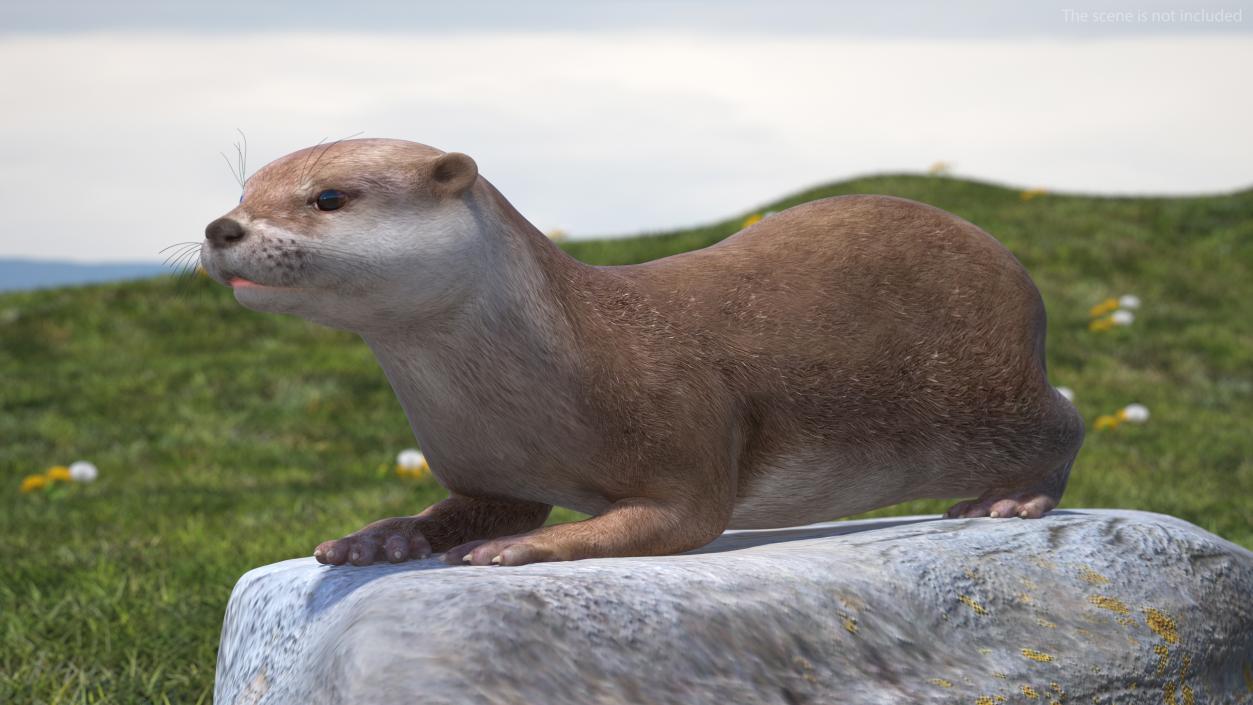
x=227, y=439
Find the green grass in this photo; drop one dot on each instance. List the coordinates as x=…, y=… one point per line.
x=227, y=439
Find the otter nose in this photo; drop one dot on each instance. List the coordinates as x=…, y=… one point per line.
x=224, y=232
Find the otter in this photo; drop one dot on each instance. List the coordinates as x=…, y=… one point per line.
x=843, y=355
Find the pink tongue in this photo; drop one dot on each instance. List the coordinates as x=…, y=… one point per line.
x=241, y=282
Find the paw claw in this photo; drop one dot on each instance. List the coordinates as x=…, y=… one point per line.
x=395, y=540
x=1003, y=504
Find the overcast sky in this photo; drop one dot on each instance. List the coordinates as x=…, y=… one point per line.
x=605, y=118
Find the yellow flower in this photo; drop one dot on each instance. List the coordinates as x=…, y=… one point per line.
x=1106, y=306
x=1106, y=422
x=33, y=483
x=58, y=473
x=940, y=168
x=751, y=220
x=411, y=463
x=1032, y=194
x=405, y=471
x=1101, y=324
x=557, y=234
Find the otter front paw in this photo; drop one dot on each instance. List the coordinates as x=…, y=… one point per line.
x=508, y=550
x=395, y=540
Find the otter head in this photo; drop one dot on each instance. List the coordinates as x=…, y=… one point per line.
x=358, y=234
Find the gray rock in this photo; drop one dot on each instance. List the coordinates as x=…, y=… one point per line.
x=1077, y=607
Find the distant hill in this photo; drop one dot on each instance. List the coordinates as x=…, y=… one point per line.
x=22, y=274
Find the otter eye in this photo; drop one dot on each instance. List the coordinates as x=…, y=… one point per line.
x=331, y=199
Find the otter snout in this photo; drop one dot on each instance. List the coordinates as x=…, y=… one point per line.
x=224, y=232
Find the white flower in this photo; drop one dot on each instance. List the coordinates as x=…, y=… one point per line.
x=1129, y=301
x=1122, y=318
x=83, y=471
x=1067, y=392
x=1135, y=413
x=411, y=459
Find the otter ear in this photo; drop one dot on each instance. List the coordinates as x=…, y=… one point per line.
x=453, y=173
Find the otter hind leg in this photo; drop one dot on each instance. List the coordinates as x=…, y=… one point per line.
x=1030, y=502
x=1034, y=494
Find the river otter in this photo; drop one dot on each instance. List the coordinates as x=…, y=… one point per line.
x=843, y=355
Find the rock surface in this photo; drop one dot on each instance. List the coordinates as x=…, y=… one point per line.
x=1080, y=606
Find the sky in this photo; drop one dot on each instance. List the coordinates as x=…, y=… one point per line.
x=607, y=118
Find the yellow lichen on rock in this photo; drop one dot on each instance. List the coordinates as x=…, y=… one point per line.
x=806, y=668
x=1163, y=656
x=1109, y=603
x=1030, y=692
x=942, y=682
x=1091, y=576
x=970, y=602
x=1037, y=655
x=1159, y=622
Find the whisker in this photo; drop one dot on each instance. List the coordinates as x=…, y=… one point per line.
x=177, y=244
x=312, y=149
x=174, y=257
x=183, y=248
x=232, y=169
x=329, y=147
x=243, y=157
x=184, y=261
x=238, y=169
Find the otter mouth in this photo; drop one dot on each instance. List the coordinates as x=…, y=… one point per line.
x=237, y=282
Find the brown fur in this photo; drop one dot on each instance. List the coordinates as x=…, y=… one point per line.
x=840, y=356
